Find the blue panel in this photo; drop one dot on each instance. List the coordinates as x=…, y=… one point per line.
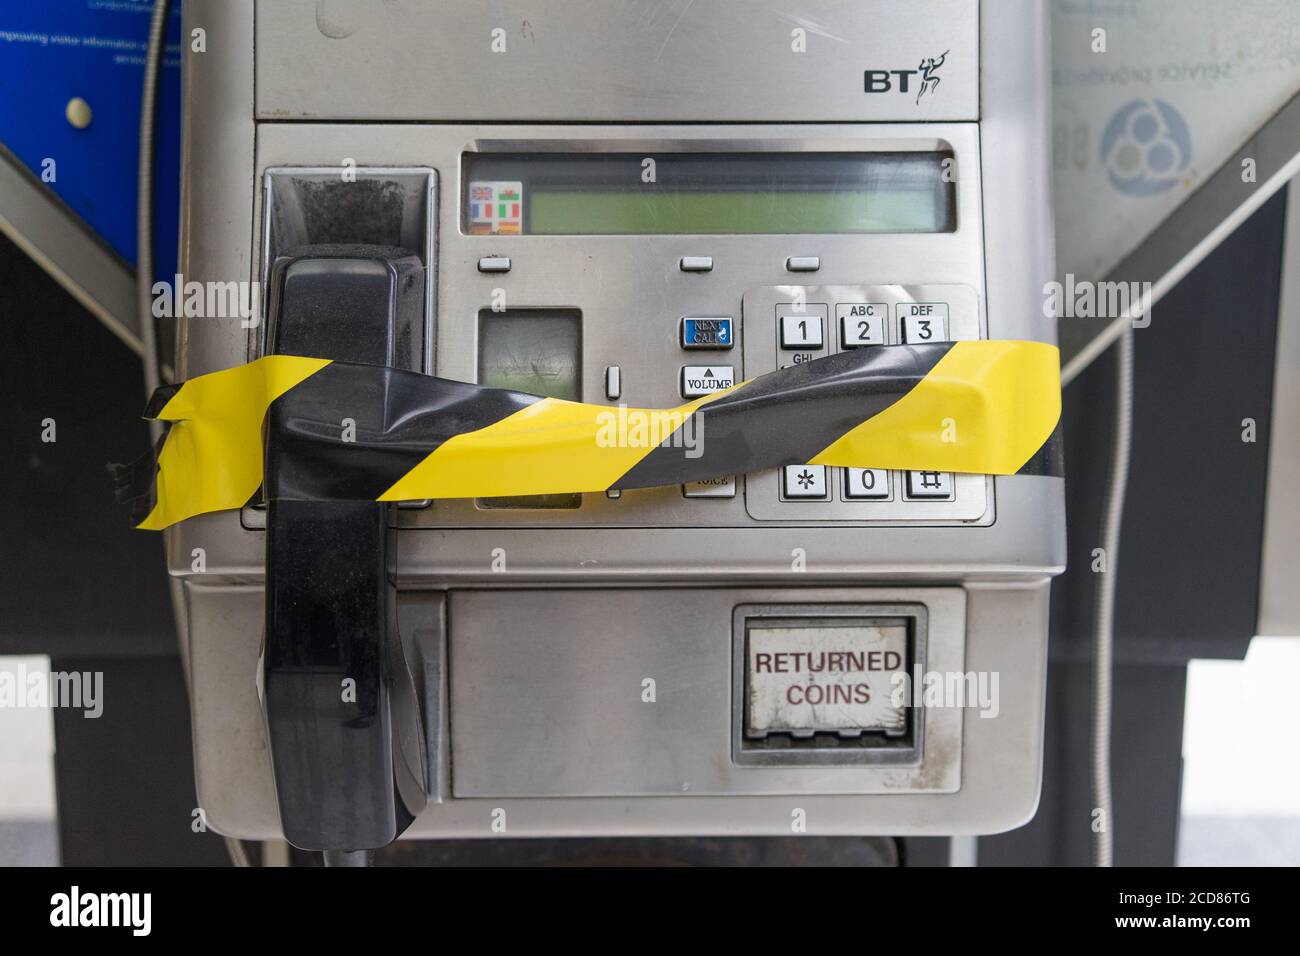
x=54, y=50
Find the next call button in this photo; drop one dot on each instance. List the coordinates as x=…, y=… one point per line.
x=707, y=333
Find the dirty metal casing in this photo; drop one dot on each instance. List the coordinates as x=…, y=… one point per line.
x=538, y=629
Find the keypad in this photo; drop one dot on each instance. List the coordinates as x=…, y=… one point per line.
x=790, y=325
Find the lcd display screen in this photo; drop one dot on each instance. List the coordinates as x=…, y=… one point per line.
x=538, y=351
x=708, y=193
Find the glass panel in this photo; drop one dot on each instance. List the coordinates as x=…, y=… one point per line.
x=538, y=351
x=708, y=193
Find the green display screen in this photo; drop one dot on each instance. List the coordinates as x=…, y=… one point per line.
x=690, y=213
x=708, y=193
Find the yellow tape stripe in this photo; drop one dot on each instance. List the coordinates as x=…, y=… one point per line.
x=969, y=414
x=551, y=447
x=212, y=459
x=985, y=407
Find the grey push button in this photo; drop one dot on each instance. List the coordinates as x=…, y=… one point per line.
x=613, y=382
x=862, y=323
x=714, y=332
x=494, y=264
x=923, y=322
x=697, y=263
x=866, y=484
x=925, y=485
x=803, y=263
x=710, y=488
x=801, y=330
x=804, y=482
x=700, y=380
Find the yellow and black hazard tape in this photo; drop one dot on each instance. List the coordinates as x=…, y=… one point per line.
x=341, y=431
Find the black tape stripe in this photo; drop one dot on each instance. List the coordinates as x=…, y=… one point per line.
x=160, y=397
x=766, y=423
x=1049, y=460
x=400, y=418
x=136, y=484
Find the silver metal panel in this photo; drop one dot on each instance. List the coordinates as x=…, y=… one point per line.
x=1003, y=567
x=612, y=60
x=216, y=207
x=638, y=278
x=1012, y=172
x=1001, y=756
x=217, y=177
x=1016, y=168
x=1028, y=538
x=1028, y=534
x=1000, y=774
x=547, y=697
x=1279, y=598
x=232, y=763
x=422, y=624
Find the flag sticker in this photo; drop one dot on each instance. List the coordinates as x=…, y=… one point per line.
x=496, y=208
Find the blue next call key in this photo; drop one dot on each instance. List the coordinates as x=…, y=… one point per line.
x=710, y=333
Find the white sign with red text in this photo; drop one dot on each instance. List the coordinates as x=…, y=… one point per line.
x=824, y=678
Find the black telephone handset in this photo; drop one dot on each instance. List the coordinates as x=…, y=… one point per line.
x=341, y=709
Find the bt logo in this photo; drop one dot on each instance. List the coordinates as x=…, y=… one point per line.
x=882, y=81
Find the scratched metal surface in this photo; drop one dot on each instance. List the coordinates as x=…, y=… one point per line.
x=617, y=60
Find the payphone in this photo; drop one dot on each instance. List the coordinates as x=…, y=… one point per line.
x=577, y=201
